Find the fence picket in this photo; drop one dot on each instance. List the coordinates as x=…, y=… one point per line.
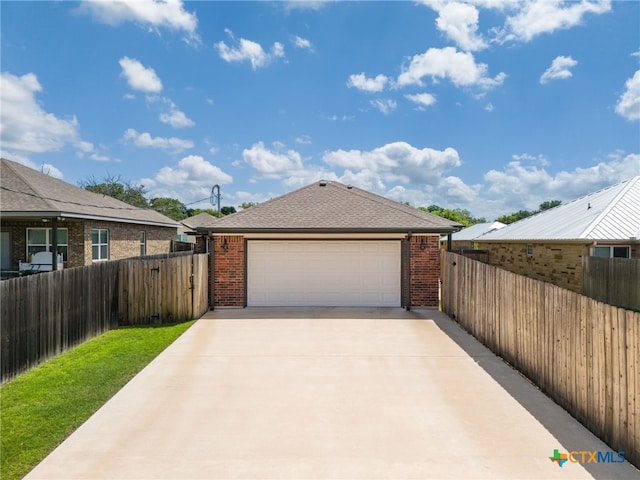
x=583, y=353
x=49, y=313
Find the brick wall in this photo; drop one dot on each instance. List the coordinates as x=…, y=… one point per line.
x=17, y=230
x=124, y=239
x=559, y=263
x=229, y=271
x=425, y=270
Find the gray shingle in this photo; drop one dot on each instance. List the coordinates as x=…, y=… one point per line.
x=332, y=208
x=26, y=192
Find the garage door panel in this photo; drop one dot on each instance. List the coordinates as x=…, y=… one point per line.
x=323, y=273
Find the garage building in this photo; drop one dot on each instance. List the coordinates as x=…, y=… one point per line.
x=327, y=244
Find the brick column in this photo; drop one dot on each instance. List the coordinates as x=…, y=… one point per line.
x=229, y=271
x=424, y=270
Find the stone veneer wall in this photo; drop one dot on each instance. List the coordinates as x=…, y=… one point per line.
x=557, y=263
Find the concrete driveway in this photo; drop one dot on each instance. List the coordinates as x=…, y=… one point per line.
x=327, y=393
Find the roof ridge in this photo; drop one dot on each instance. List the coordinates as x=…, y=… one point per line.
x=36, y=193
x=393, y=203
x=611, y=205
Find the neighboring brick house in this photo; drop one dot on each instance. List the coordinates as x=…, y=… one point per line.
x=551, y=245
x=90, y=227
x=188, y=231
x=327, y=244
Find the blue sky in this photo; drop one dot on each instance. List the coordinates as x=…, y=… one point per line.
x=486, y=105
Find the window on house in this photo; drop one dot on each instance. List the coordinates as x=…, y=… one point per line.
x=40, y=240
x=529, y=250
x=99, y=244
x=611, y=251
x=143, y=244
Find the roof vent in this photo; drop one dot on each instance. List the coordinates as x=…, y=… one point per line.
x=323, y=183
x=349, y=187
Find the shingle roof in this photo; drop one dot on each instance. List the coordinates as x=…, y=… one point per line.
x=477, y=230
x=26, y=192
x=612, y=213
x=199, y=220
x=333, y=207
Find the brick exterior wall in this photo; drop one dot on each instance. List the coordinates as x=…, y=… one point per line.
x=424, y=270
x=557, y=263
x=229, y=271
x=124, y=239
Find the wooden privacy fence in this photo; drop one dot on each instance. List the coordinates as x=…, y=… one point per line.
x=46, y=314
x=582, y=353
x=612, y=280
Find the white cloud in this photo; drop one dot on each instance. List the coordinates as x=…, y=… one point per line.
x=397, y=162
x=250, y=51
x=489, y=107
x=145, y=140
x=629, y=103
x=25, y=126
x=140, y=77
x=459, y=21
x=372, y=85
x=386, y=106
x=191, y=180
x=305, y=4
x=520, y=186
x=303, y=140
x=537, y=17
x=175, y=117
x=98, y=157
x=422, y=99
x=560, y=69
x=300, y=42
x=152, y=14
x=272, y=164
x=459, y=67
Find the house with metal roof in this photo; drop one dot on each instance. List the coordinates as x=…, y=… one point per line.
x=550, y=246
x=465, y=238
x=327, y=244
x=42, y=213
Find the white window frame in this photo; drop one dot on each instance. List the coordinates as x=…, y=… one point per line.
x=63, y=248
x=100, y=244
x=611, y=250
x=529, y=250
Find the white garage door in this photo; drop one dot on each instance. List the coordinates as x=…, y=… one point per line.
x=323, y=273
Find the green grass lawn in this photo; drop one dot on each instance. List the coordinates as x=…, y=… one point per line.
x=42, y=407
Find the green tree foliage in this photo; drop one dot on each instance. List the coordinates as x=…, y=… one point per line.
x=170, y=207
x=458, y=215
x=117, y=188
x=246, y=205
x=549, y=204
x=520, y=214
x=227, y=210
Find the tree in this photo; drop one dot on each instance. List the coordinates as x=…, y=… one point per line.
x=170, y=207
x=458, y=215
x=192, y=212
x=520, y=214
x=246, y=205
x=227, y=210
x=549, y=204
x=117, y=188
